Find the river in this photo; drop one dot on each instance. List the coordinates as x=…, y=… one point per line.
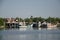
x=43, y=34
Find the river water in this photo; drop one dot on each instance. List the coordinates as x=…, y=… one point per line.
x=43, y=34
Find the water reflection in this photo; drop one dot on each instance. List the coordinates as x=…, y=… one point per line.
x=30, y=35
x=1, y=37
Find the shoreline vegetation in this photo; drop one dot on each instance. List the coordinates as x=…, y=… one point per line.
x=52, y=20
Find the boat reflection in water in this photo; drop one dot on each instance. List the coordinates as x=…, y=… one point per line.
x=16, y=34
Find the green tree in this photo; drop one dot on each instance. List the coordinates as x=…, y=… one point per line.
x=40, y=19
x=31, y=19
x=21, y=20
x=1, y=21
x=35, y=19
x=17, y=18
x=58, y=20
x=27, y=20
x=52, y=20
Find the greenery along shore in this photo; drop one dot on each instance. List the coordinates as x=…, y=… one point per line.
x=53, y=20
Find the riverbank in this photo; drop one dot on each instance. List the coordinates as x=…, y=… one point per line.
x=50, y=27
x=2, y=27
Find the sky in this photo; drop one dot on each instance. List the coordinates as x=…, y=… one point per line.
x=27, y=8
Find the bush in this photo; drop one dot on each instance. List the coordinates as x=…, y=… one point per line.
x=1, y=22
